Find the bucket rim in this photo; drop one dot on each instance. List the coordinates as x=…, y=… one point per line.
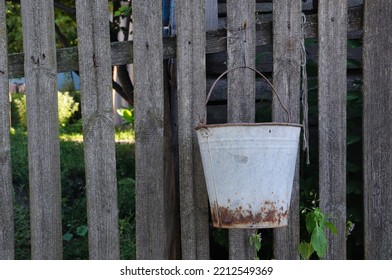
x=200, y=126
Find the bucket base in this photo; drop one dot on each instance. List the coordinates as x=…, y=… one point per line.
x=268, y=217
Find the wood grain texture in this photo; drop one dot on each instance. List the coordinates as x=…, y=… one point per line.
x=211, y=14
x=241, y=49
x=332, y=120
x=98, y=128
x=7, y=251
x=191, y=97
x=287, y=79
x=43, y=129
x=149, y=128
x=377, y=127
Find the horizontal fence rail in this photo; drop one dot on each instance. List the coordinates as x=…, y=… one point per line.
x=122, y=52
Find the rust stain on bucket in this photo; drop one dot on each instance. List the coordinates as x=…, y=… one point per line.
x=268, y=216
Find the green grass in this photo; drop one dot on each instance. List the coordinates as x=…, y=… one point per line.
x=74, y=221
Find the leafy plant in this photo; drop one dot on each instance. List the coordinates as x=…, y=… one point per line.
x=127, y=115
x=14, y=27
x=255, y=242
x=22, y=231
x=66, y=108
x=316, y=225
x=123, y=11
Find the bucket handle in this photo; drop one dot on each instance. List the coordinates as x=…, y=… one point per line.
x=260, y=74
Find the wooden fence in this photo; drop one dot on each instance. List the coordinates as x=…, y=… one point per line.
x=157, y=162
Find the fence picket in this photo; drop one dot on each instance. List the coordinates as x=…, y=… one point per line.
x=377, y=127
x=98, y=128
x=241, y=49
x=149, y=130
x=332, y=120
x=191, y=97
x=7, y=251
x=286, y=76
x=211, y=14
x=43, y=128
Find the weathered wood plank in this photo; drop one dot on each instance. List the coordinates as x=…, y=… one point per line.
x=260, y=7
x=241, y=49
x=98, y=128
x=377, y=127
x=68, y=58
x=191, y=97
x=149, y=129
x=264, y=6
x=332, y=120
x=287, y=79
x=122, y=52
x=211, y=14
x=7, y=251
x=43, y=129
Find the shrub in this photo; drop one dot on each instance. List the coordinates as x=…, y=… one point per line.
x=66, y=108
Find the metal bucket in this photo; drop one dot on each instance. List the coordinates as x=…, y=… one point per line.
x=249, y=170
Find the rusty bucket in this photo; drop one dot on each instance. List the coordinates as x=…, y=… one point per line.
x=249, y=171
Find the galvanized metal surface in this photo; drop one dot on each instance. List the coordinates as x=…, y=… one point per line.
x=249, y=171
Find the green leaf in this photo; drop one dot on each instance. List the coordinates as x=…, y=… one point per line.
x=353, y=95
x=352, y=63
x=331, y=227
x=82, y=230
x=354, y=43
x=123, y=11
x=310, y=222
x=126, y=182
x=318, y=241
x=67, y=236
x=305, y=250
x=351, y=139
x=320, y=218
x=126, y=114
x=255, y=241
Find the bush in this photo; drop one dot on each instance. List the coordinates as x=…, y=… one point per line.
x=66, y=108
